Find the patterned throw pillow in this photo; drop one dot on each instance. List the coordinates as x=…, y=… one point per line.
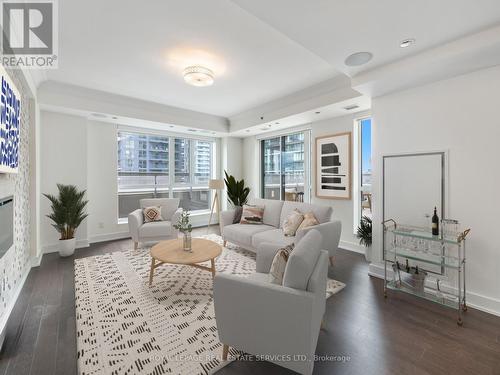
x=292, y=222
x=152, y=214
x=252, y=214
x=279, y=264
x=309, y=221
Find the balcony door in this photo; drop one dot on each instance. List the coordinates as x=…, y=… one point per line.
x=285, y=167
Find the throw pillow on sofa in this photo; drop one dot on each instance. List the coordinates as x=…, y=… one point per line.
x=279, y=264
x=309, y=221
x=292, y=222
x=252, y=214
x=152, y=214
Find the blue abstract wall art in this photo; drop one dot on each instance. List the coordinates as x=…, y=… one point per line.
x=10, y=124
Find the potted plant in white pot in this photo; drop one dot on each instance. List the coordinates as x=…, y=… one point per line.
x=364, y=233
x=68, y=212
x=237, y=195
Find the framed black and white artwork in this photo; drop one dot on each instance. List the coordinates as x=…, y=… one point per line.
x=333, y=166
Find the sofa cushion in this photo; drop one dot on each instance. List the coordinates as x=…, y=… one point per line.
x=272, y=236
x=272, y=210
x=259, y=276
x=302, y=261
x=168, y=205
x=155, y=229
x=152, y=214
x=243, y=233
x=322, y=213
x=252, y=214
x=309, y=221
x=279, y=264
x=292, y=222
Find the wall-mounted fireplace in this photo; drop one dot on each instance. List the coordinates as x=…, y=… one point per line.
x=6, y=224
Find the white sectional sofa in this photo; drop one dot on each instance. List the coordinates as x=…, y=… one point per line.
x=250, y=236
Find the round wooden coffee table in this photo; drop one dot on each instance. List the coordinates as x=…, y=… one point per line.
x=171, y=252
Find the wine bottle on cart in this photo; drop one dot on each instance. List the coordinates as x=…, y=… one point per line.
x=435, y=223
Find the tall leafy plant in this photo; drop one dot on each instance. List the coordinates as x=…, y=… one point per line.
x=68, y=210
x=237, y=193
x=364, y=232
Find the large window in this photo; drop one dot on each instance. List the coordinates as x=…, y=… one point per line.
x=285, y=167
x=363, y=163
x=144, y=165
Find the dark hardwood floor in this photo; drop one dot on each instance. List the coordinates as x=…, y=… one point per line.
x=397, y=335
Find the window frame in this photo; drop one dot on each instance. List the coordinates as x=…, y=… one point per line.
x=307, y=161
x=172, y=186
x=358, y=164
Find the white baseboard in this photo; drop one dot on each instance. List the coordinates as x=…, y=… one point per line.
x=109, y=237
x=352, y=246
x=478, y=301
x=36, y=260
x=10, y=306
x=54, y=248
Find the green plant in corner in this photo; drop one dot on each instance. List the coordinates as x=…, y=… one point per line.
x=364, y=232
x=237, y=193
x=68, y=210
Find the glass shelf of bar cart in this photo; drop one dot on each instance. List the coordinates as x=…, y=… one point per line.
x=427, y=266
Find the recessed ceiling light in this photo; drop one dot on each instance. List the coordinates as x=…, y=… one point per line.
x=199, y=76
x=115, y=118
x=358, y=58
x=248, y=130
x=277, y=123
x=317, y=112
x=407, y=42
x=351, y=107
x=171, y=126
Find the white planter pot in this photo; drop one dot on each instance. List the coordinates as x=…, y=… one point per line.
x=67, y=247
x=368, y=253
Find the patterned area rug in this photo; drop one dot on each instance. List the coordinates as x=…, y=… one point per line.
x=126, y=327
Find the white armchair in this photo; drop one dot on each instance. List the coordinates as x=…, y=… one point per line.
x=280, y=323
x=156, y=230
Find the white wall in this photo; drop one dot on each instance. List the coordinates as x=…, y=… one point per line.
x=82, y=152
x=102, y=183
x=342, y=209
x=459, y=115
x=16, y=262
x=251, y=165
x=63, y=144
x=232, y=161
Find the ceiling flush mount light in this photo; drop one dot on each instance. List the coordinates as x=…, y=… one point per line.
x=407, y=42
x=358, y=58
x=199, y=76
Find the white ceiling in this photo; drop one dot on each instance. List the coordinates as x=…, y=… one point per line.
x=334, y=29
x=260, y=50
x=139, y=49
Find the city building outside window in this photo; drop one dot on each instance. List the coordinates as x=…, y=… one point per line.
x=363, y=169
x=145, y=162
x=285, y=167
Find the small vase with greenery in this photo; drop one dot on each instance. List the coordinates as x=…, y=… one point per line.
x=185, y=227
x=237, y=194
x=68, y=212
x=364, y=233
